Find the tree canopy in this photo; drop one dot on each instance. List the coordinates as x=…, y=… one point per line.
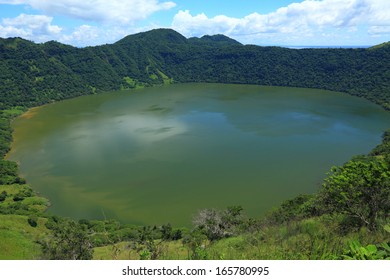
x=33, y=74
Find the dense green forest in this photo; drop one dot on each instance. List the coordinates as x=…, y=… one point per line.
x=34, y=74
x=347, y=219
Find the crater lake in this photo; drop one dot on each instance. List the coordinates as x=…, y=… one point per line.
x=159, y=155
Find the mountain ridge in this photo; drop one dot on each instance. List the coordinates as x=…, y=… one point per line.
x=169, y=32
x=33, y=74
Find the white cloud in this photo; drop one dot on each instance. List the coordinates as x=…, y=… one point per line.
x=87, y=35
x=84, y=35
x=119, y=11
x=298, y=20
x=190, y=25
x=33, y=27
x=298, y=23
x=12, y=2
x=379, y=30
x=39, y=28
x=379, y=13
x=114, y=19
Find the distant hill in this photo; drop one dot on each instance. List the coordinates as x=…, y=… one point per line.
x=383, y=45
x=33, y=74
x=214, y=40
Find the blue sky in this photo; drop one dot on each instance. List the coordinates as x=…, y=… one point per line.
x=261, y=22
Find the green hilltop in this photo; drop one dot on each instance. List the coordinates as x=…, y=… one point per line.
x=383, y=45
x=34, y=74
x=347, y=219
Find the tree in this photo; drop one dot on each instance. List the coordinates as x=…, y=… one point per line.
x=196, y=241
x=166, y=232
x=360, y=188
x=218, y=224
x=69, y=241
x=210, y=222
x=147, y=245
x=3, y=196
x=232, y=219
x=9, y=173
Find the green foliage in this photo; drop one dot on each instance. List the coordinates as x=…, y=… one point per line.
x=300, y=207
x=130, y=82
x=20, y=199
x=24, y=192
x=5, y=133
x=370, y=252
x=30, y=72
x=147, y=246
x=383, y=149
x=196, y=242
x=166, y=232
x=216, y=224
x=3, y=196
x=360, y=189
x=9, y=173
x=68, y=241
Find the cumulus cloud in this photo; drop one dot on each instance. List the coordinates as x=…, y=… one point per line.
x=83, y=35
x=12, y=2
x=114, y=18
x=297, y=19
x=39, y=28
x=87, y=35
x=311, y=21
x=34, y=27
x=379, y=30
x=119, y=11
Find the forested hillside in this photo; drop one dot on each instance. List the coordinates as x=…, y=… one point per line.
x=33, y=74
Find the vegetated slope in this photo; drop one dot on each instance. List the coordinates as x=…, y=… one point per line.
x=34, y=74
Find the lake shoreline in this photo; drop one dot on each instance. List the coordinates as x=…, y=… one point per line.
x=295, y=116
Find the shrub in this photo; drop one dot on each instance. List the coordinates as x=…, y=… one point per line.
x=370, y=252
x=360, y=189
x=3, y=196
x=33, y=221
x=69, y=241
x=216, y=224
x=298, y=208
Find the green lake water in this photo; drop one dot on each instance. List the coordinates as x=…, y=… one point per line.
x=158, y=155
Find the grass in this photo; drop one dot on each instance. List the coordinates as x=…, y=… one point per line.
x=19, y=239
x=170, y=250
x=34, y=204
x=15, y=246
x=13, y=112
x=319, y=238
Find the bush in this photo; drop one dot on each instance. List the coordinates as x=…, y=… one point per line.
x=18, y=197
x=33, y=221
x=3, y=196
x=9, y=173
x=360, y=189
x=25, y=191
x=69, y=241
x=216, y=224
x=370, y=252
x=298, y=208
